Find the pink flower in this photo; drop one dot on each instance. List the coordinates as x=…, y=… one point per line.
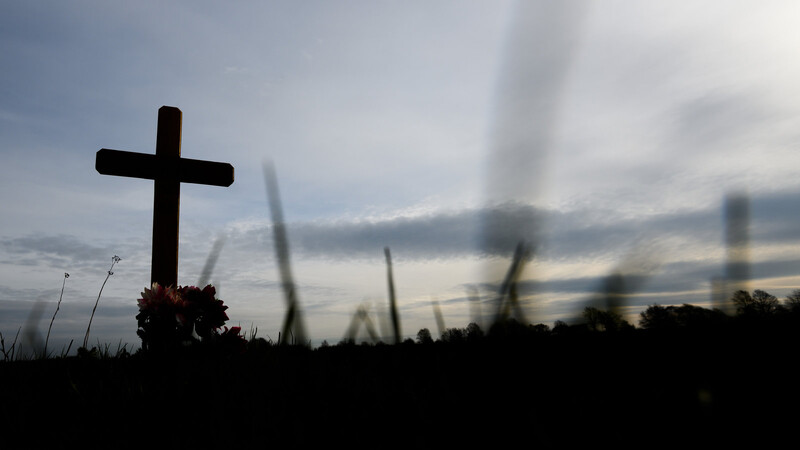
x=158, y=298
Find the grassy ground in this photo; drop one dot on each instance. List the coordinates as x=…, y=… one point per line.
x=636, y=389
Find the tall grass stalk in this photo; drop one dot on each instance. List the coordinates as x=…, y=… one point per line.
x=475, y=306
x=294, y=318
x=8, y=355
x=508, y=292
x=47, y=339
x=392, y=297
x=437, y=314
x=211, y=261
x=114, y=260
x=64, y=353
x=361, y=316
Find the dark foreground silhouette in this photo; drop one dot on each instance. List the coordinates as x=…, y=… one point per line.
x=712, y=382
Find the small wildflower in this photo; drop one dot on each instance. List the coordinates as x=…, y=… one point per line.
x=63, y=284
x=114, y=260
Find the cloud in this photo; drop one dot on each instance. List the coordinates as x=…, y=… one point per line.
x=557, y=235
x=439, y=235
x=716, y=118
x=587, y=234
x=58, y=250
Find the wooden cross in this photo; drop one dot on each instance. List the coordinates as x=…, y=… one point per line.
x=168, y=170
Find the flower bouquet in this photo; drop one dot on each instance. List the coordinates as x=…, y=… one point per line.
x=173, y=319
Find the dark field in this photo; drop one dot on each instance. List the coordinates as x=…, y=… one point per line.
x=636, y=388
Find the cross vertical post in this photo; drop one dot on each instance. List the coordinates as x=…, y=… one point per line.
x=168, y=170
x=167, y=199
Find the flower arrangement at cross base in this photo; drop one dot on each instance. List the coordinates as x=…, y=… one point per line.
x=173, y=319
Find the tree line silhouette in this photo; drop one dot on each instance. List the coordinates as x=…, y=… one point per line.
x=756, y=309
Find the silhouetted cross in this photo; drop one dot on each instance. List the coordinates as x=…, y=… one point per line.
x=168, y=170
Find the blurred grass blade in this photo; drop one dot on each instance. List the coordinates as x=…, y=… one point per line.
x=287, y=325
x=294, y=317
x=475, y=306
x=628, y=277
x=437, y=314
x=542, y=45
x=507, y=296
x=211, y=261
x=30, y=333
x=392, y=297
x=737, y=237
x=361, y=316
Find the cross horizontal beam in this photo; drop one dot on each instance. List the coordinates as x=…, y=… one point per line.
x=152, y=167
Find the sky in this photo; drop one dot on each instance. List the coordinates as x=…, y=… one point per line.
x=607, y=136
